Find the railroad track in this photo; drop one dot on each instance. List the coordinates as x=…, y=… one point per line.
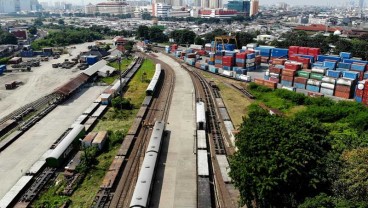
x=157, y=111
x=205, y=93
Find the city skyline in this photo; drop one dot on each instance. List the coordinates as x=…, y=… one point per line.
x=262, y=2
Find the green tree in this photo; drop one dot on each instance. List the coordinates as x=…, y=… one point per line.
x=32, y=30
x=38, y=22
x=199, y=41
x=183, y=36
x=8, y=38
x=143, y=32
x=61, y=22
x=280, y=161
x=244, y=38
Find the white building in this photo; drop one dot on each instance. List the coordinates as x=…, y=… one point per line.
x=265, y=38
x=161, y=10
x=113, y=7
x=25, y=5
x=320, y=21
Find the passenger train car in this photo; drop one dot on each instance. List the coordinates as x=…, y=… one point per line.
x=154, y=81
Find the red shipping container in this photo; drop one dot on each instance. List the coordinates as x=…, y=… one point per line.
x=292, y=66
x=345, y=95
x=301, y=80
x=275, y=70
x=343, y=88
x=287, y=78
x=288, y=72
x=303, y=50
x=218, y=65
x=365, y=85
x=270, y=84
x=218, y=57
x=277, y=61
x=365, y=93
x=314, y=51
x=274, y=79
x=293, y=58
x=294, y=49
x=259, y=81
x=227, y=60
x=359, y=92
x=241, y=55
x=240, y=64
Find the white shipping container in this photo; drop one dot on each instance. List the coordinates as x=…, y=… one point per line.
x=228, y=73
x=249, y=61
x=342, y=81
x=328, y=86
x=202, y=163
x=314, y=82
x=289, y=88
x=245, y=78
x=329, y=80
x=319, y=70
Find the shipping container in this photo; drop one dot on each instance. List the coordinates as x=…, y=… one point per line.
x=301, y=80
x=358, y=67
x=329, y=80
x=303, y=73
x=299, y=85
x=316, y=76
x=323, y=58
x=286, y=83
x=345, y=55
x=327, y=91
x=345, y=95
x=350, y=75
x=313, y=88
x=288, y=72
x=343, y=65
x=333, y=73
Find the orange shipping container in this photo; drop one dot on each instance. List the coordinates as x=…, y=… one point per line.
x=270, y=84
x=288, y=72
x=345, y=95
x=259, y=81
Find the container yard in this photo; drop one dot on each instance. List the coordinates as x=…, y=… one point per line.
x=301, y=69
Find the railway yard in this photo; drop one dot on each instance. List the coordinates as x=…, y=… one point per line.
x=180, y=137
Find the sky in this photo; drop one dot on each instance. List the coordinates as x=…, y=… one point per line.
x=268, y=2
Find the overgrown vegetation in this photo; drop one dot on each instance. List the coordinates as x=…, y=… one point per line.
x=315, y=157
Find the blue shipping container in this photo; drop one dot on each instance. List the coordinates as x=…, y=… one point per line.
x=350, y=75
x=218, y=61
x=279, y=52
x=345, y=55
x=312, y=88
x=330, y=65
x=358, y=67
x=230, y=53
x=299, y=85
x=343, y=65
x=286, y=83
x=213, y=69
x=211, y=62
x=341, y=69
x=358, y=99
x=251, y=55
x=333, y=73
x=350, y=61
x=317, y=64
x=227, y=68
x=266, y=77
x=324, y=57
x=242, y=61
x=91, y=60
x=365, y=76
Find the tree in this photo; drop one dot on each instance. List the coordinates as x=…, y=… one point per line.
x=32, y=30
x=8, y=38
x=38, y=22
x=199, y=41
x=244, y=38
x=183, y=36
x=61, y=22
x=280, y=160
x=143, y=32
x=146, y=16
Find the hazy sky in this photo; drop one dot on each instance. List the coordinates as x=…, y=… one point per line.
x=268, y=2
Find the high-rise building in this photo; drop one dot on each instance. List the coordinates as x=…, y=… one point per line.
x=254, y=7
x=176, y=3
x=114, y=7
x=240, y=6
x=214, y=4
x=7, y=6
x=25, y=5
x=205, y=3
x=161, y=10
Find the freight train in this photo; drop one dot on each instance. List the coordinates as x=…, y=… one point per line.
x=155, y=79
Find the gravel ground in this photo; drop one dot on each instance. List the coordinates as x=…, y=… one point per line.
x=37, y=83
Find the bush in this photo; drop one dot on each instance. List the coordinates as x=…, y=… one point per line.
x=122, y=103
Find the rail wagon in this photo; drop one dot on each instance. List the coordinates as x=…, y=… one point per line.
x=155, y=79
x=62, y=151
x=142, y=191
x=201, y=116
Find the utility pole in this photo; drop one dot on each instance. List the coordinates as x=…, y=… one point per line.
x=120, y=74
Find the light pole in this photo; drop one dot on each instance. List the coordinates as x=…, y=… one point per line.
x=121, y=88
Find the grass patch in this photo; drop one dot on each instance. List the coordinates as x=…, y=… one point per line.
x=124, y=64
x=109, y=80
x=114, y=121
x=236, y=103
x=295, y=110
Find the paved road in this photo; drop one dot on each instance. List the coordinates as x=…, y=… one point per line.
x=175, y=184
x=25, y=151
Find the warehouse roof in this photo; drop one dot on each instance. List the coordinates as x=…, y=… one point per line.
x=95, y=67
x=72, y=85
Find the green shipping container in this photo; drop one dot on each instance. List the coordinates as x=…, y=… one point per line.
x=316, y=76
x=303, y=74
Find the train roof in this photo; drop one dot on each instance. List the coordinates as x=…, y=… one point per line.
x=116, y=85
x=66, y=142
x=156, y=137
x=202, y=165
x=142, y=188
x=201, y=139
x=201, y=112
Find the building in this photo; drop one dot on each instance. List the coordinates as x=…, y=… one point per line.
x=179, y=13
x=319, y=21
x=318, y=28
x=239, y=6
x=205, y=4
x=161, y=10
x=176, y=3
x=254, y=7
x=68, y=7
x=214, y=4
x=7, y=6
x=217, y=13
x=113, y=7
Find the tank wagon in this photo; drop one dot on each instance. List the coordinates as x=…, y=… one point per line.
x=200, y=116
x=142, y=191
x=155, y=80
x=62, y=151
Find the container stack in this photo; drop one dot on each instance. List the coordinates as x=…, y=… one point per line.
x=190, y=59
x=302, y=76
x=266, y=83
x=212, y=58
x=361, y=92
x=240, y=59
x=167, y=49
x=360, y=68
x=227, y=63
x=293, y=50
x=212, y=69
x=344, y=88
x=174, y=47
x=218, y=59
x=250, y=62
x=207, y=47
x=289, y=72
x=328, y=85
x=275, y=73
x=265, y=53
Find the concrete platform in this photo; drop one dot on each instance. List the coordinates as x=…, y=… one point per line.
x=176, y=181
x=18, y=158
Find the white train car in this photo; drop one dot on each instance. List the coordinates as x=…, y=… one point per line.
x=154, y=81
x=200, y=116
